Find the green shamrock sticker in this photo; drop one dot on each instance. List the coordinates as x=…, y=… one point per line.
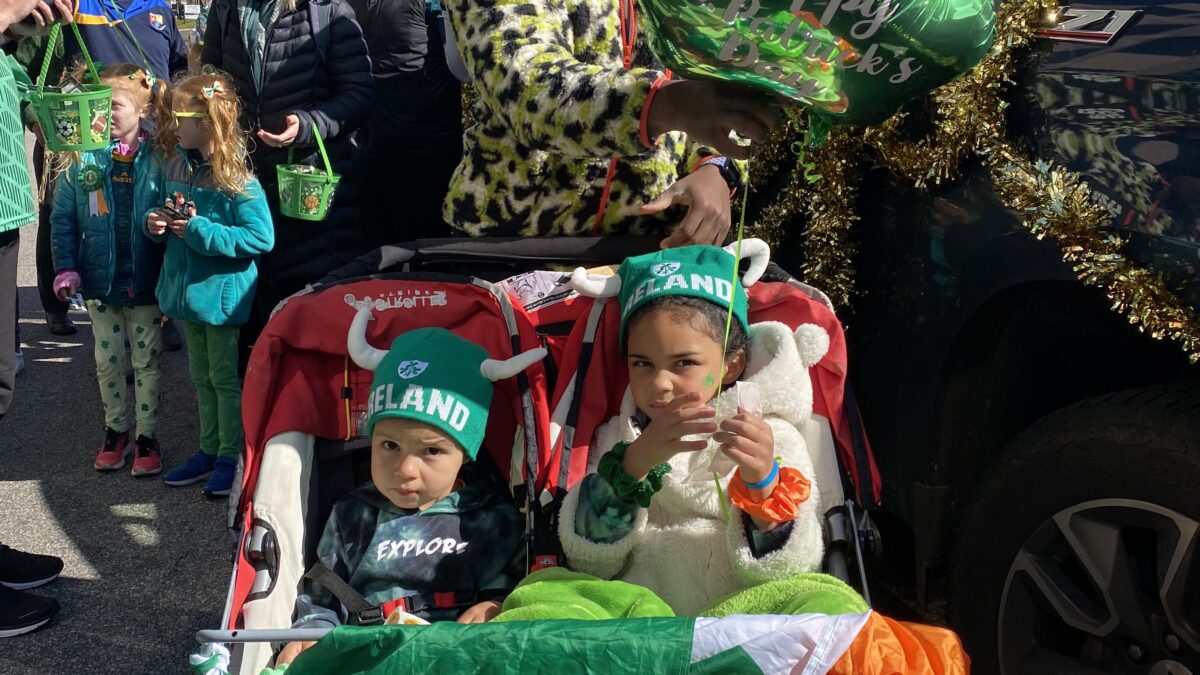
x=90, y=178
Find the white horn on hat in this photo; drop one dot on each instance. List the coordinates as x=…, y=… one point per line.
x=496, y=370
x=759, y=254
x=360, y=350
x=595, y=287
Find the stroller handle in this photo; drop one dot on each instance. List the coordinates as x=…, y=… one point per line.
x=261, y=635
x=511, y=253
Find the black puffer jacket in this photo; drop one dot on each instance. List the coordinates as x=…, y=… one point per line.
x=419, y=110
x=334, y=91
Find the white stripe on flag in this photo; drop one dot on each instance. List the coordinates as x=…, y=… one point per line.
x=806, y=644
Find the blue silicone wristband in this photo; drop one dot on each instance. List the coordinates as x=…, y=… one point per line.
x=766, y=481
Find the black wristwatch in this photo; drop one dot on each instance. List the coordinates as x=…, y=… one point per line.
x=728, y=171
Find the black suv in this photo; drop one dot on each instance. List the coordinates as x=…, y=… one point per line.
x=1038, y=452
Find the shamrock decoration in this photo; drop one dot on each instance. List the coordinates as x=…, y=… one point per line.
x=90, y=178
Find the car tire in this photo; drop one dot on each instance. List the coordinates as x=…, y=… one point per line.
x=1080, y=550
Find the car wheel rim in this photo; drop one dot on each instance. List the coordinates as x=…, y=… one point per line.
x=1106, y=586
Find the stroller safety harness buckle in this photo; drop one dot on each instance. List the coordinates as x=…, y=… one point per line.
x=369, y=616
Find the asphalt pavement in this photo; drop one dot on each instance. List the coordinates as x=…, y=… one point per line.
x=146, y=564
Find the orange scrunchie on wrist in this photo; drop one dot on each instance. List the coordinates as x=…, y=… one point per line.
x=792, y=490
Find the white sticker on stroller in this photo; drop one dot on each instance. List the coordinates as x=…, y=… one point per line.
x=405, y=299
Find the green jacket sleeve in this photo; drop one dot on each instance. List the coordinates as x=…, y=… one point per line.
x=519, y=55
x=251, y=235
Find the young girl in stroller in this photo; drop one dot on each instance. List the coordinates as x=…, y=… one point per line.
x=665, y=465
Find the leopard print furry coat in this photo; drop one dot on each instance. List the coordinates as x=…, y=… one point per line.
x=558, y=146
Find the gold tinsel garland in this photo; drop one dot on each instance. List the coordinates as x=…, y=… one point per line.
x=969, y=117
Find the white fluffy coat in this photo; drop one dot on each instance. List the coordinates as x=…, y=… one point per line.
x=681, y=548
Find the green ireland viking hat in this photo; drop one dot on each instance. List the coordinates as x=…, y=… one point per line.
x=705, y=272
x=433, y=376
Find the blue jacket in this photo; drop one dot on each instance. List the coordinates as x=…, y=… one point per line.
x=106, y=26
x=209, y=274
x=86, y=243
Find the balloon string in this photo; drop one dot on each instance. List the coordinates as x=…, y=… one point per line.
x=816, y=130
x=737, y=259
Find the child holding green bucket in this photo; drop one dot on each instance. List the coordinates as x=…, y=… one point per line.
x=101, y=198
x=216, y=225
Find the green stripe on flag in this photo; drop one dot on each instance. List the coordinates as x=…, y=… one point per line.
x=617, y=647
x=733, y=661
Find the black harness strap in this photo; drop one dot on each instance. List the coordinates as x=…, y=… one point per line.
x=361, y=612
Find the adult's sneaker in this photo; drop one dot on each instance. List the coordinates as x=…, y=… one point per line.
x=20, y=570
x=147, y=460
x=221, y=481
x=112, y=453
x=195, y=469
x=22, y=612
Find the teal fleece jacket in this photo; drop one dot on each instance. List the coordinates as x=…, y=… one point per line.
x=209, y=274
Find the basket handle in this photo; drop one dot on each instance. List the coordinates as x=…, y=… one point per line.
x=320, y=148
x=51, y=43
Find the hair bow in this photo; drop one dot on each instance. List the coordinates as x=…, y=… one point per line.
x=210, y=92
x=149, y=78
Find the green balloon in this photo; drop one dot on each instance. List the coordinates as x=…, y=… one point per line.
x=852, y=61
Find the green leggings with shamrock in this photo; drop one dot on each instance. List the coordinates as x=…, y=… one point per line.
x=141, y=326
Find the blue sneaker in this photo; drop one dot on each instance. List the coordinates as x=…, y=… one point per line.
x=221, y=481
x=193, y=470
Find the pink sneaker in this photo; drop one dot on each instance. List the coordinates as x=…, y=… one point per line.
x=147, y=460
x=112, y=453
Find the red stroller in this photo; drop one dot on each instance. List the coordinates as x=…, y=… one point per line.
x=304, y=400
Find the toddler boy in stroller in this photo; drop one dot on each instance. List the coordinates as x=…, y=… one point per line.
x=431, y=535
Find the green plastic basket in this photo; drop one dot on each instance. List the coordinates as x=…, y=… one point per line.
x=76, y=121
x=305, y=191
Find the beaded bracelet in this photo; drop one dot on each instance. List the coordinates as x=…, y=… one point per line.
x=626, y=487
x=784, y=503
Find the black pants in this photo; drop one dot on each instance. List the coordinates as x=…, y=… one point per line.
x=401, y=195
x=45, y=255
x=10, y=244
